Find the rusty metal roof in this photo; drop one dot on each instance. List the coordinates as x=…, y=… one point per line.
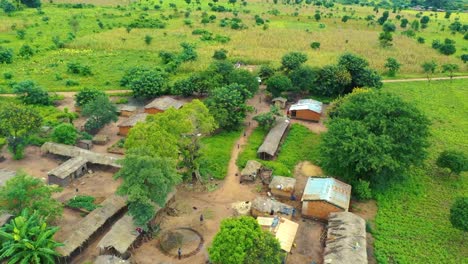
x=328, y=189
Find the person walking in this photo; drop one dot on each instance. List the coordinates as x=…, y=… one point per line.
x=201, y=218
x=179, y=253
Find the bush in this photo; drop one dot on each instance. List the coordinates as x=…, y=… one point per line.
x=26, y=51
x=87, y=95
x=421, y=40
x=30, y=93
x=65, y=134
x=8, y=75
x=315, y=45
x=146, y=23
x=82, y=202
x=362, y=190
x=455, y=161
x=6, y=55
x=71, y=82
x=220, y=54
x=77, y=68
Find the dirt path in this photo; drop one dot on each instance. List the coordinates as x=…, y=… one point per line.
x=424, y=79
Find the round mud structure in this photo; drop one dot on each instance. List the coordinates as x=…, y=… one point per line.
x=187, y=239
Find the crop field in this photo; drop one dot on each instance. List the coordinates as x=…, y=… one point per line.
x=101, y=37
x=413, y=220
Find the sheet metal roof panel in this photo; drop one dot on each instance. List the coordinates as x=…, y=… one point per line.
x=307, y=104
x=328, y=189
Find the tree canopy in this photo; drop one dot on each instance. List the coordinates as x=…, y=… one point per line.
x=148, y=83
x=293, y=60
x=26, y=192
x=65, y=133
x=459, y=214
x=455, y=161
x=241, y=240
x=361, y=74
x=277, y=84
x=28, y=239
x=100, y=112
x=227, y=105
x=373, y=136
x=87, y=95
x=30, y=93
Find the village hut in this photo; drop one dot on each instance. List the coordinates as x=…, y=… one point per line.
x=127, y=124
x=91, y=224
x=271, y=144
x=123, y=235
x=323, y=196
x=282, y=228
x=5, y=218
x=306, y=109
x=110, y=259
x=279, y=102
x=68, y=171
x=161, y=104
x=5, y=175
x=85, y=144
x=251, y=170
x=282, y=186
x=100, y=139
x=346, y=239
x=127, y=110
x=72, y=152
x=264, y=206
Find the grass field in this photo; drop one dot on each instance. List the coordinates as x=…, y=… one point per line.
x=216, y=153
x=110, y=50
x=292, y=151
x=413, y=219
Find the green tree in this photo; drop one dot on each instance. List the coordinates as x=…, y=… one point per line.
x=147, y=180
x=267, y=120
x=315, y=45
x=332, y=80
x=383, y=18
x=266, y=72
x=450, y=68
x=28, y=239
x=87, y=95
x=220, y=54
x=31, y=3
x=303, y=78
x=149, y=84
x=17, y=122
x=228, y=107
x=148, y=39
x=389, y=27
x=293, y=60
x=459, y=214
x=65, y=133
x=365, y=135
x=404, y=23
x=245, y=78
x=100, y=112
x=455, y=161
x=385, y=39
x=30, y=93
x=424, y=20
x=361, y=74
x=277, y=84
x=26, y=51
x=26, y=192
x=393, y=66
x=429, y=68
x=237, y=241
x=6, y=55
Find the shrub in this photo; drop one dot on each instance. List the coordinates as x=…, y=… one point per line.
x=362, y=190
x=7, y=75
x=315, y=45
x=146, y=23
x=26, y=51
x=6, y=55
x=421, y=40
x=455, y=161
x=220, y=54
x=87, y=95
x=148, y=39
x=70, y=82
x=30, y=93
x=83, y=202
x=77, y=68
x=65, y=133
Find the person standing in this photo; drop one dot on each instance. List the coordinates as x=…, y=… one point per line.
x=179, y=253
x=201, y=218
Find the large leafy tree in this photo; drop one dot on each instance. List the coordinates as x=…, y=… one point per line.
x=26, y=192
x=373, y=136
x=277, y=84
x=332, y=80
x=65, y=133
x=100, y=112
x=28, y=239
x=459, y=214
x=87, y=95
x=244, y=77
x=303, y=78
x=361, y=74
x=16, y=123
x=30, y=93
x=147, y=180
x=148, y=83
x=241, y=240
x=228, y=107
x=293, y=60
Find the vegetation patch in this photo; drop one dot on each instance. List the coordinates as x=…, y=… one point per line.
x=83, y=202
x=216, y=153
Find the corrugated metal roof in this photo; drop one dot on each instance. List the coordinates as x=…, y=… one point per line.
x=307, y=104
x=327, y=189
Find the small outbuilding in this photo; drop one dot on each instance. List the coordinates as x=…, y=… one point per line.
x=272, y=142
x=127, y=110
x=251, y=171
x=323, y=196
x=130, y=122
x=85, y=144
x=68, y=171
x=161, y=104
x=282, y=228
x=282, y=186
x=5, y=175
x=279, y=102
x=346, y=239
x=100, y=139
x=306, y=109
x=264, y=206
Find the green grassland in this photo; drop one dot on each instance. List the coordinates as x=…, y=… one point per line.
x=292, y=150
x=111, y=50
x=412, y=224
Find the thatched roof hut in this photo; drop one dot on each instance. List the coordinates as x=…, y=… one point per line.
x=272, y=141
x=264, y=206
x=252, y=168
x=282, y=186
x=346, y=239
x=161, y=104
x=5, y=175
x=89, y=225
x=109, y=259
x=71, y=151
x=127, y=124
